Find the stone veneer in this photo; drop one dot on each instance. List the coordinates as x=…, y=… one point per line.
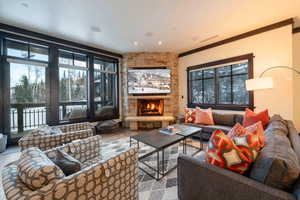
x=149, y=60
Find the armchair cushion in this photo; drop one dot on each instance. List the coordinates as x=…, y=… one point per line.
x=66, y=163
x=36, y=169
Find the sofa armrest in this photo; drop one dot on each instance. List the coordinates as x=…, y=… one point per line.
x=200, y=180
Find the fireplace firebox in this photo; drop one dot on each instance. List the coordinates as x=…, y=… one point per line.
x=150, y=107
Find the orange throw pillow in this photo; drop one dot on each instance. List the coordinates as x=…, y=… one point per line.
x=235, y=154
x=189, y=115
x=204, y=116
x=257, y=129
x=251, y=117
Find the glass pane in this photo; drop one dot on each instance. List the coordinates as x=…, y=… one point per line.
x=105, y=91
x=65, y=58
x=80, y=60
x=104, y=66
x=72, y=85
x=196, y=75
x=39, y=53
x=17, y=49
x=27, y=83
x=225, y=90
x=224, y=71
x=197, y=91
x=27, y=98
x=72, y=94
x=72, y=112
x=99, y=65
x=209, y=91
x=240, y=68
x=240, y=94
x=209, y=73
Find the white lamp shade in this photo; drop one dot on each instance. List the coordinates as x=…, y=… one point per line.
x=259, y=83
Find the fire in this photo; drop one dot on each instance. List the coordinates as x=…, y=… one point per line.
x=151, y=106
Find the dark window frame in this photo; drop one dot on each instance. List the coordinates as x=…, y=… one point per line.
x=249, y=57
x=52, y=74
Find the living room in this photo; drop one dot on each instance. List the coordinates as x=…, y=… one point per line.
x=150, y=100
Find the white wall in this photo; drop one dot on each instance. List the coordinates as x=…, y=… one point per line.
x=271, y=48
x=296, y=64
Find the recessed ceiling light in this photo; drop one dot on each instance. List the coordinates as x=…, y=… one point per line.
x=135, y=43
x=149, y=34
x=159, y=42
x=95, y=29
x=25, y=5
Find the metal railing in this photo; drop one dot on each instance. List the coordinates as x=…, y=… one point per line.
x=27, y=116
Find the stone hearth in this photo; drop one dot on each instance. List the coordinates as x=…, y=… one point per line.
x=130, y=112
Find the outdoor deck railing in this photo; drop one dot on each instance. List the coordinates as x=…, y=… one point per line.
x=27, y=116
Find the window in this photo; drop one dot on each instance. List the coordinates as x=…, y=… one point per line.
x=221, y=84
x=26, y=50
x=105, y=86
x=27, y=64
x=72, y=86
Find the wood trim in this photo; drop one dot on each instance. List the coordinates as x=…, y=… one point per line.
x=248, y=57
x=223, y=61
x=13, y=29
x=296, y=30
x=241, y=36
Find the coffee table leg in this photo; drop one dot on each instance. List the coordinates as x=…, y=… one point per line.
x=163, y=162
x=158, y=171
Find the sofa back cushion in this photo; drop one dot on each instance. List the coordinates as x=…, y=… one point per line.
x=251, y=117
x=294, y=139
x=36, y=170
x=277, y=164
x=204, y=116
x=85, y=149
x=226, y=119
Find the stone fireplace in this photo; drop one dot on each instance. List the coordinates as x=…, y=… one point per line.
x=149, y=111
x=150, y=107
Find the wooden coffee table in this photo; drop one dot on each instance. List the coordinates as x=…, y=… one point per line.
x=160, y=141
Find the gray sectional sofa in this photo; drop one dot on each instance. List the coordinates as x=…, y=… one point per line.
x=223, y=121
x=273, y=176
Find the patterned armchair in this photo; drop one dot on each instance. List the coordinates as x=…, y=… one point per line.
x=67, y=133
x=113, y=178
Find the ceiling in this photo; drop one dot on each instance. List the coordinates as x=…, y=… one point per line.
x=138, y=25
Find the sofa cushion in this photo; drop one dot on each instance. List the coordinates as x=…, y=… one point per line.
x=277, y=164
x=201, y=156
x=204, y=116
x=66, y=163
x=36, y=170
x=277, y=125
x=189, y=115
x=235, y=154
x=258, y=129
x=251, y=117
x=238, y=118
x=294, y=139
x=225, y=119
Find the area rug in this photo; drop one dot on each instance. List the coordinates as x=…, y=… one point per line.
x=149, y=188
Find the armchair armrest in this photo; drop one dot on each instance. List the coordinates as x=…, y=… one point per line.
x=200, y=180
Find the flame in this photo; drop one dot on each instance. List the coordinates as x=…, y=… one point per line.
x=150, y=106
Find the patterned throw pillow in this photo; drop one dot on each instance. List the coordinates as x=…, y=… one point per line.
x=204, y=116
x=251, y=117
x=257, y=129
x=189, y=115
x=36, y=170
x=235, y=154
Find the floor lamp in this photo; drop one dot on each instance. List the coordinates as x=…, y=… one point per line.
x=267, y=82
